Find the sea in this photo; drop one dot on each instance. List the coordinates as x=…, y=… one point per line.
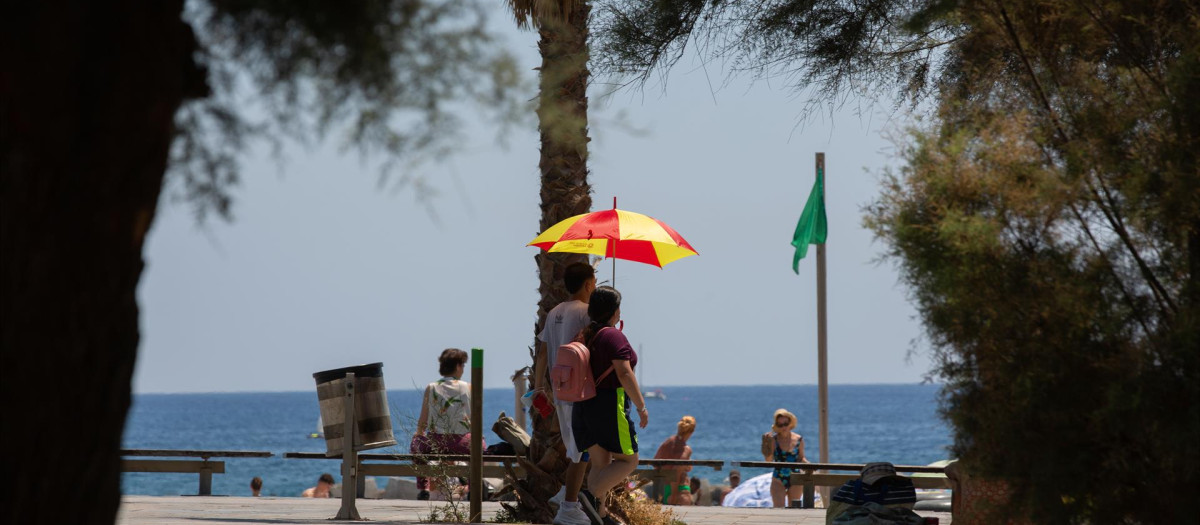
x=894, y=422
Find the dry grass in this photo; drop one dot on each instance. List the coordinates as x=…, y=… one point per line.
x=633, y=508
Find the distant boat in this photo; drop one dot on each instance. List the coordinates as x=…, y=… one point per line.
x=654, y=394
x=320, y=433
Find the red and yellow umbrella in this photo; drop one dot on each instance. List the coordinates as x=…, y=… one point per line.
x=618, y=234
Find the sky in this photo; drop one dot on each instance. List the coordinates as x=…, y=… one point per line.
x=321, y=269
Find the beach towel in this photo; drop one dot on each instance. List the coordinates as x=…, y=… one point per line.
x=753, y=492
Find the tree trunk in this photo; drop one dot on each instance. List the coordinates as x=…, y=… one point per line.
x=565, y=192
x=89, y=94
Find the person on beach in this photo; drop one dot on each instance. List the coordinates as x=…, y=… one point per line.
x=610, y=438
x=781, y=445
x=444, y=426
x=698, y=488
x=677, y=490
x=563, y=324
x=255, y=486
x=324, y=485
x=735, y=477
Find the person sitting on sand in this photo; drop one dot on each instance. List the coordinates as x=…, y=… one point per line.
x=255, y=486
x=781, y=445
x=735, y=477
x=879, y=484
x=699, y=488
x=324, y=485
x=677, y=491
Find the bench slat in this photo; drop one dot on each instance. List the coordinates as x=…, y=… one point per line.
x=715, y=464
x=196, y=453
x=432, y=471
x=402, y=457
x=833, y=466
x=171, y=465
x=836, y=480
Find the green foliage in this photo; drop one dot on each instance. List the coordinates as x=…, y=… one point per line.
x=507, y=515
x=831, y=47
x=391, y=74
x=1046, y=223
x=1031, y=225
x=451, y=512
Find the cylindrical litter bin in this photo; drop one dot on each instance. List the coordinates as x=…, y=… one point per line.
x=370, y=407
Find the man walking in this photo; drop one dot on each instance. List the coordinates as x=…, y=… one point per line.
x=563, y=323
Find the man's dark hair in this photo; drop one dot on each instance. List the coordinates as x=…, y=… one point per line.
x=327, y=478
x=577, y=274
x=450, y=359
x=256, y=483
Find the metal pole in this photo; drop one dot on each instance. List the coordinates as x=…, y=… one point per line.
x=614, y=246
x=822, y=342
x=476, y=486
x=349, y=456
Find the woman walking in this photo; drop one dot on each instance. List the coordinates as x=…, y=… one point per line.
x=781, y=445
x=602, y=425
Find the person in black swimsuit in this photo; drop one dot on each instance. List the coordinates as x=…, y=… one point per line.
x=781, y=445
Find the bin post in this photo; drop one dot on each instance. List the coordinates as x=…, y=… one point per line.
x=349, y=457
x=361, y=491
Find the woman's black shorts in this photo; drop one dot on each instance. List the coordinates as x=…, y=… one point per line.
x=604, y=420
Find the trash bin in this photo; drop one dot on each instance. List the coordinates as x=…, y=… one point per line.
x=370, y=407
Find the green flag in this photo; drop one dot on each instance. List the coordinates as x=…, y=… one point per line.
x=812, y=228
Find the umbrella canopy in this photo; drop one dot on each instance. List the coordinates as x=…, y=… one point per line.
x=618, y=234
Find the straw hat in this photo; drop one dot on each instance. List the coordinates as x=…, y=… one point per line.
x=783, y=412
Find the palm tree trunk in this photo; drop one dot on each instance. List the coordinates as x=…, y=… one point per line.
x=89, y=94
x=565, y=192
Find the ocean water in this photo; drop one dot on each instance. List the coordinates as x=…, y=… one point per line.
x=896, y=423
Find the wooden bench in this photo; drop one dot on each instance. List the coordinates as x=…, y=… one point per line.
x=805, y=474
x=659, y=476
x=407, y=465
x=412, y=465
x=204, y=467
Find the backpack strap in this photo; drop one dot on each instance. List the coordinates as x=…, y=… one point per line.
x=610, y=367
x=605, y=374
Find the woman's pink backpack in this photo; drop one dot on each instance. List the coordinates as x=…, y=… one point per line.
x=571, y=376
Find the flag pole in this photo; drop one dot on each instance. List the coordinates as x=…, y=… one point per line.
x=822, y=339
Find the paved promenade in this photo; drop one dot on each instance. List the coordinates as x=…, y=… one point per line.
x=213, y=510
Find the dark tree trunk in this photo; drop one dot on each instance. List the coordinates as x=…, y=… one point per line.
x=565, y=192
x=89, y=91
